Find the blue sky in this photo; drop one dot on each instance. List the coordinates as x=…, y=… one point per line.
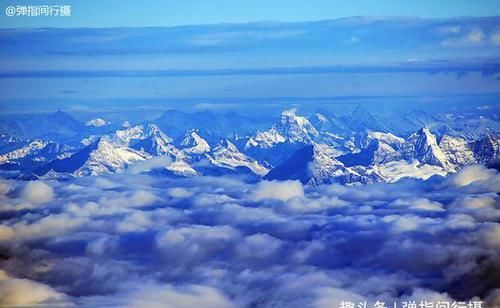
x=118, y=13
x=427, y=51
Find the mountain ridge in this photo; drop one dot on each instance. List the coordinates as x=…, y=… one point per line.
x=306, y=148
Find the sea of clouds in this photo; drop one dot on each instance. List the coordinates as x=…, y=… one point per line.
x=138, y=240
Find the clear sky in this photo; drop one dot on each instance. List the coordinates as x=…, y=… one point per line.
x=118, y=13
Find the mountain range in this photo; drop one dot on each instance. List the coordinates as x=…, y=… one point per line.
x=352, y=148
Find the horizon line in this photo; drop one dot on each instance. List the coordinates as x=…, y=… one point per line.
x=262, y=21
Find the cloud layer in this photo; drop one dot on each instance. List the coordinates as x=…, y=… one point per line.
x=133, y=240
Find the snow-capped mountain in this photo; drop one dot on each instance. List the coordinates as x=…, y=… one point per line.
x=467, y=126
x=147, y=138
x=315, y=164
x=458, y=151
x=123, y=137
x=53, y=150
x=290, y=128
x=296, y=128
x=100, y=157
x=377, y=152
x=265, y=140
x=323, y=128
x=290, y=133
x=422, y=146
x=29, y=149
x=487, y=149
x=382, y=156
x=321, y=148
x=373, y=148
x=33, y=154
x=325, y=121
x=387, y=138
x=193, y=144
x=226, y=155
x=153, y=141
x=10, y=143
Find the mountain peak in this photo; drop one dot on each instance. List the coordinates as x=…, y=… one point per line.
x=319, y=117
x=323, y=112
x=360, y=120
x=61, y=115
x=99, y=157
x=296, y=128
x=359, y=110
x=422, y=145
x=225, y=143
x=64, y=121
x=153, y=131
x=316, y=164
x=227, y=155
x=60, y=112
x=487, y=149
x=103, y=143
x=425, y=130
x=289, y=112
x=152, y=127
x=193, y=143
x=425, y=136
x=153, y=141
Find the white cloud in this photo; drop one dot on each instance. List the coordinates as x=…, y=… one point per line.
x=471, y=174
x=491, y=235
x=333, y=297
x=258, y=246
x=179, y=192
x=24, y=292
x=138, y=198
x=424, y=295
x=37, y=192
x=460, y=221
x=284, y=190
x=493, y=299
x=157, y=162
x=354, y=39
x=405, y=223
x=110, y=240
x=195, y=243
x=6, y=233
x=135, y=222
x=102, y=246
x=305, y=205
x=495, y=38
x=450, y=29
x=473, y=37
x=418, y=204
x=163, y=296
x=4, y=188
x=51, y=225
x=97, y=122
x=191, y=296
